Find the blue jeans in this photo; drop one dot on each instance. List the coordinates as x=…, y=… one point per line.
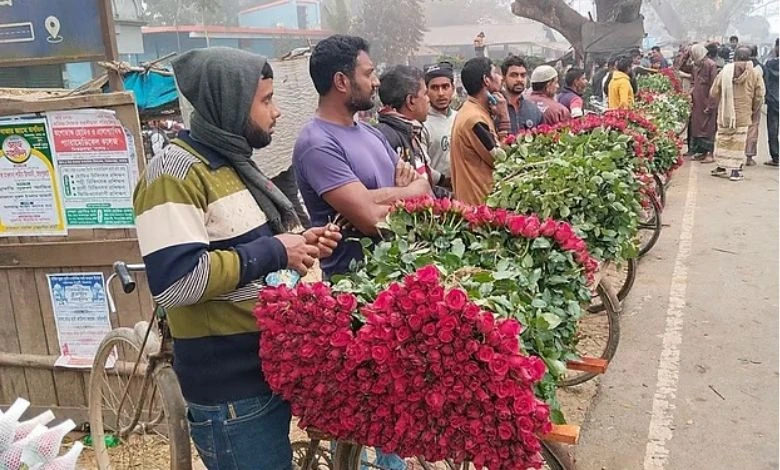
x=250, y=434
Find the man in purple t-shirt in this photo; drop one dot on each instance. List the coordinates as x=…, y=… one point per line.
x=343, y=167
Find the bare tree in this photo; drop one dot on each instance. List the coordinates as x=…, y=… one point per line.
x=394, y=29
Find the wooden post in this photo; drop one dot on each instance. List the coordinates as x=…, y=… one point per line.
x=109, y=41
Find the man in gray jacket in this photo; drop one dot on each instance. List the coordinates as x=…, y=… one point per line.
x=438, y=127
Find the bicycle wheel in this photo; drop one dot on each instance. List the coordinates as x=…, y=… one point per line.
x=348, y=457
x=649, y=227
x=598, y=334
x=556, y=457
x=310, y=455
x=135, y=421
x=660, y=189
x=623, y=276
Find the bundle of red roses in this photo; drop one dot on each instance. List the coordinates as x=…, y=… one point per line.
x=429, y=373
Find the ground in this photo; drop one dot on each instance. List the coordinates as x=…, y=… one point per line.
x=694, y=383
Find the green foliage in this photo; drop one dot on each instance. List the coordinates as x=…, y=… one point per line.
x=586, y=179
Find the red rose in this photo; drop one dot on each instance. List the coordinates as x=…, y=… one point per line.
x=505, y=431
x=515, y=224
x=485, y=354
x=446, y=336
x=509, y=327
x=531, y=227
x=415, y=322
x=429, y=329
x=456, y=299
x=485, y=324
x=428, y=274
x=384, y=300
x=435, y=400
x=347, y=302
x=548, y=228
x=341, y=339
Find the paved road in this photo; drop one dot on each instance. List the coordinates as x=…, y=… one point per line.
x=694, y=385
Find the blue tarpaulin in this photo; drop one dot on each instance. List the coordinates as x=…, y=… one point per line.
x=151, y=89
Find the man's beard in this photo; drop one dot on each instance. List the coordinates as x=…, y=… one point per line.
x=517, y=89
x=257, y=136
x=357, y=103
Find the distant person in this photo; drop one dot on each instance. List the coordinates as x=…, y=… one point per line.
x=703, y=121
x=544, y=83
x=740, y=92
x=479, y=45
x=438, y=127
x=751, y=146
x=621, y=92
x=597, y=80
x=611, y=63
x=772, y=104
x=523, y=113
x=575, y=84
x=474, y=134
x=732, y=48
x=657, y=59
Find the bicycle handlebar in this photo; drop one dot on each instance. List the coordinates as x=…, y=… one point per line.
x=123, y=271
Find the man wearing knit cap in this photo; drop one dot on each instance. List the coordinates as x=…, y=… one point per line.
x=544, y=86
x=438, y=126
x=212, y=228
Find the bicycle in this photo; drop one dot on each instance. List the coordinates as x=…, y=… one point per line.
x=133, y=390
x=312, y=455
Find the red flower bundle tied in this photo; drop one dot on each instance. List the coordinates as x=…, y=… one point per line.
x=673, y=78
x=527, y=226
x=430, y=373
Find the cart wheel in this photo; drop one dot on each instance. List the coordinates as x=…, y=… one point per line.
x=598, y=334
x=623, y=276
x=556, y=457
x=649, y=227
x=660, y=188
x=310, y=455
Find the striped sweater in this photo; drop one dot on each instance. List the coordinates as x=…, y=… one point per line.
x=207, y=246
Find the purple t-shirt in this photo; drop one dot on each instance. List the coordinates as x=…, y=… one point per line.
x=326, y=157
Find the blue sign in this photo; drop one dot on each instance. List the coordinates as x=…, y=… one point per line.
x=49, y=31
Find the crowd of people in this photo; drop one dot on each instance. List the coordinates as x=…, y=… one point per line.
x=213, y=229
x=729, y=88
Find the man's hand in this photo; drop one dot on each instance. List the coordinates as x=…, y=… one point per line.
x=405, y=174
x=500, y=109
x=300, y=255
x=325, y=239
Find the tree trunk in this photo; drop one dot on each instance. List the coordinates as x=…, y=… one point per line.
x=561, y=17
x=617, y=11
x=557, y=15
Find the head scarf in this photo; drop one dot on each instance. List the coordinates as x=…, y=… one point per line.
x=220, y=83
x=698, y=53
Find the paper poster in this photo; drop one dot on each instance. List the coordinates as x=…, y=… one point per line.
x=81, y=317
x=30, y=201
x=97, y=167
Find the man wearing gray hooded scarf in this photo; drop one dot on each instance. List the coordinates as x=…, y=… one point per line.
x=212, y=230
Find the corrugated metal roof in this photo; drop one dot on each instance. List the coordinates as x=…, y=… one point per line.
x=522, y=32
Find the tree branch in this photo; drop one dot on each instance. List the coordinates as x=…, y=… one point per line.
x=556, y=14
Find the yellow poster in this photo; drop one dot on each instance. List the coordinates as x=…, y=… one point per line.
x=30, y=203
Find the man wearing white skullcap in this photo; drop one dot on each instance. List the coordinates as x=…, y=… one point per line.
x=544, y=83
